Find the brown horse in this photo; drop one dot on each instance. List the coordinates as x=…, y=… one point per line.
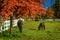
x=20, y=23
x=41, y=25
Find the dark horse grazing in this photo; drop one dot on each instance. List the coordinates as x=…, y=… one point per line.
x=41, y=25
x=20, y=23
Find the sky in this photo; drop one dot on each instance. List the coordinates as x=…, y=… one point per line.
x=48, y=3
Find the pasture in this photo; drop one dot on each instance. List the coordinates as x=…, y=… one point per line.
x=30, y=32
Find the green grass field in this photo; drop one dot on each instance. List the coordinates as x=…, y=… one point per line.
x=30, y=32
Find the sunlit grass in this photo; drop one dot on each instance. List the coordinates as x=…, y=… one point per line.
x=30, y=32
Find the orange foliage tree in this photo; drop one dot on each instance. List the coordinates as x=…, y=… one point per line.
x=18, y=8
x=50, y=13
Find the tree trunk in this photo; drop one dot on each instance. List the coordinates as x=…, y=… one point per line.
x=11, y=20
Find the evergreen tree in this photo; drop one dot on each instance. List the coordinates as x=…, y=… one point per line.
x=56, y=8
